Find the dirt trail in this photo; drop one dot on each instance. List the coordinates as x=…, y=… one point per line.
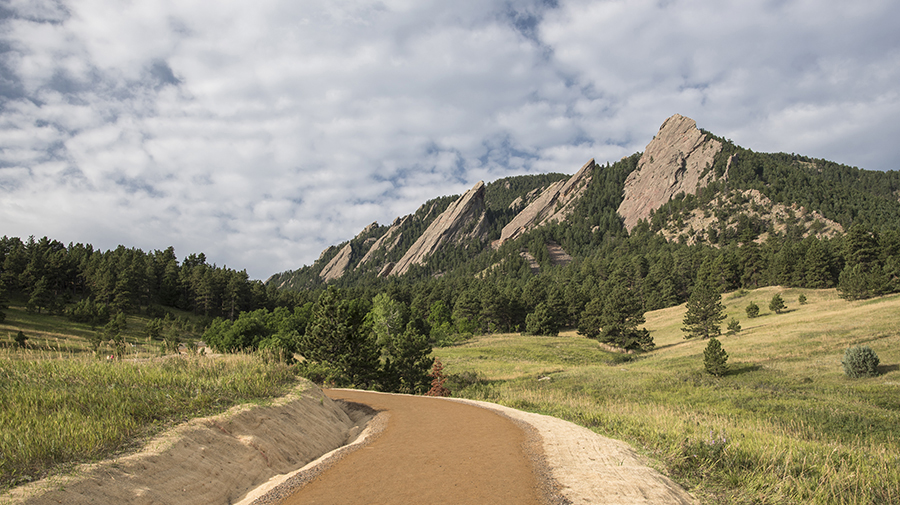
x=436, y=451
x=432, y=451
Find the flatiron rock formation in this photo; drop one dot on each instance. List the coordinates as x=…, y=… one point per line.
x=338, y=265
x=464, y=219
x=553, y=204
x=679, y=158
x=386, y=242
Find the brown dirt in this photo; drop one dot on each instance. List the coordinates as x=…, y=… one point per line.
x=434, y=451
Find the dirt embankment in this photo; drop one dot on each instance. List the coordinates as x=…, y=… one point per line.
x=210, y=460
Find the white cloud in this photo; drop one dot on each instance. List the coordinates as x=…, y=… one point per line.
x=260, y=134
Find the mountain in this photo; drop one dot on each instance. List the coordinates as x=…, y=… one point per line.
x=688, y=186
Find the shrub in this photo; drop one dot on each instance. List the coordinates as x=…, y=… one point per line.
x=714, y=358
x=734, y=325
x=801, y=299
x=752, y=310
x=321, y=373
x=21, y=339
x=860, y=361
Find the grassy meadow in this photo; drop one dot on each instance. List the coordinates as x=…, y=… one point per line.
x=784, y=426
x=60, y=405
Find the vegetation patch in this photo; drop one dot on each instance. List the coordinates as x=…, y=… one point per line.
x=59, y=410
x=783, y=424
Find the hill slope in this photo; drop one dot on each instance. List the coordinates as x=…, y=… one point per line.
x=784, y=426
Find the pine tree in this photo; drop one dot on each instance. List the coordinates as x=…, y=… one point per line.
x=776, y=305
x=705, y=311
x=437, y=381
x=715, y=358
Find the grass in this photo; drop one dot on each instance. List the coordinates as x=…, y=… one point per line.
x=784, y=426
x=57, y=334
x=60, y=405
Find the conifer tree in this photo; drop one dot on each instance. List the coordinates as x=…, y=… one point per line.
x=776, y=305
x=705, y=311
x=715, y=358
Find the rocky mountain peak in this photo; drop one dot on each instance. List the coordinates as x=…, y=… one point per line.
x=678, y=159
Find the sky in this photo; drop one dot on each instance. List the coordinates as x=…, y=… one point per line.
x=261, y=132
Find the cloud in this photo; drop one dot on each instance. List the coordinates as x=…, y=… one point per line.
x=262, y=134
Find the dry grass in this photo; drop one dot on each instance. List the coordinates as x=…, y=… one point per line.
x=785, y=426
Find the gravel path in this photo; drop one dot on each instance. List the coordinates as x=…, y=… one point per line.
x=432, y=451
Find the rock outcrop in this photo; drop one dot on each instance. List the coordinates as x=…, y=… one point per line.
x=386, y=242
x=679, y=158
x=553, y=204
x=338, y=265
x=464, y=219
x=694, y=227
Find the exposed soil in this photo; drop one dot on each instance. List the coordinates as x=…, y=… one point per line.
x=441, y=450
x=402, y=449
x=434, y=451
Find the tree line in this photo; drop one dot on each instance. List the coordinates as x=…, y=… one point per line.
x=80, y=280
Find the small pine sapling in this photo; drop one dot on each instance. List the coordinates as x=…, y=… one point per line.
x=801, y=299
x=437, y=381
x=777, y=304
x=734, y=326
x=715, y=358
x=752, y=310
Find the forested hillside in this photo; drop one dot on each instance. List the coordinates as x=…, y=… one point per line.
x=51, y=277
x=767, y=219
x=771, y=219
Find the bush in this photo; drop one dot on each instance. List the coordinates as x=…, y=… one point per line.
x=734, y=326
x=860, y=361
x=752, y=310
x=321, y=373
x=801, y=299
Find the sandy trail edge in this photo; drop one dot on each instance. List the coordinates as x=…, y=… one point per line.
x=593, y=469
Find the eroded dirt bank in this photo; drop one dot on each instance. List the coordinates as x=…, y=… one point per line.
x=210, y=460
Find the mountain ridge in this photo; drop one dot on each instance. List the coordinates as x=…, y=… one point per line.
x=683, y=180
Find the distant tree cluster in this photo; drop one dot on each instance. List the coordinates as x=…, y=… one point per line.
x=91, y=285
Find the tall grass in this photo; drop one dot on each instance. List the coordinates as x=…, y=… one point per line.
x=785, y=426
x=57, y=412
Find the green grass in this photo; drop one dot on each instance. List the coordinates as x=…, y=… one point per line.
x=57, y=334
x=784, y=426
x=60, y=405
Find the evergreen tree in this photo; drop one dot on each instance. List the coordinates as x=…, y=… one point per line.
x=4, y=303
x=542, y=321
x=406, y=367
x=715, y=358
x=621, y=315
x=41, y=297
x=337, y=335
x=752, y=310
x=705, y=311
x=591, y=322
x=777, y=305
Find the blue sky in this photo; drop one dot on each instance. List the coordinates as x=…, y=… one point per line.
x=262, y=132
